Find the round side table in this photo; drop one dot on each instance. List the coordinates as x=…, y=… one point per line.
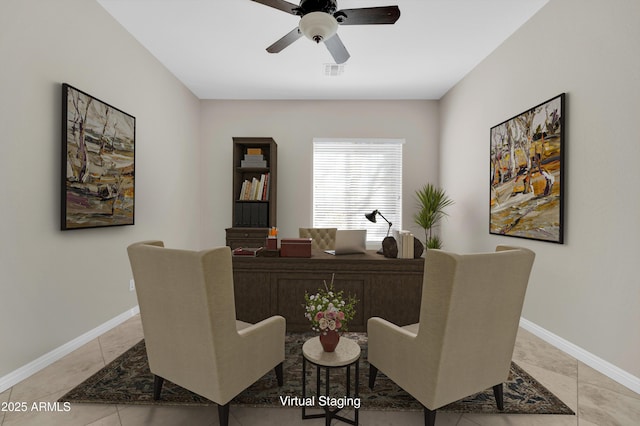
x=347, y=353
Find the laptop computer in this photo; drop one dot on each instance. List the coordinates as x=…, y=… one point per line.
x=350, y=241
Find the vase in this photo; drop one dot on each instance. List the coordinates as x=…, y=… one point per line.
x=329, y=340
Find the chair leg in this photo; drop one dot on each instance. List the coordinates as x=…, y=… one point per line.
x=157, y=386
x=498, y=392
x=223, y=414
x=429, y=417
x=279, y=374
x=373, y=372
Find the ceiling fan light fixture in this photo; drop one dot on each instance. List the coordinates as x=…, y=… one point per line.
x=318, y=26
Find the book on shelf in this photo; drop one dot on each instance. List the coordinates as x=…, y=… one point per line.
x=265, y=189
x=252, y=194
x=256, y=189
x=254, y=151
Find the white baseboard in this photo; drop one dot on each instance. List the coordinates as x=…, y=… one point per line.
x=38, y=364
x=619, y=375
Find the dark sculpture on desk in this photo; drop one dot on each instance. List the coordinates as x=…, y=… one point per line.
x=390, y=248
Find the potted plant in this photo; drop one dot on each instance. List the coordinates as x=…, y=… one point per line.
x=329, y=312
x=431, y=204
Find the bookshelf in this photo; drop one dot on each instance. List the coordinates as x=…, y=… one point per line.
x=255, y=162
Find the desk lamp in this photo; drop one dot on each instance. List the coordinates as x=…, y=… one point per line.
x=372, y=218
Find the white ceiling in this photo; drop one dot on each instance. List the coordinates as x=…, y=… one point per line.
x=217, y=47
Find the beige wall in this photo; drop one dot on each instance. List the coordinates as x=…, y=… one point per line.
x=55, y=286
x=293, y=125
x=586, y=291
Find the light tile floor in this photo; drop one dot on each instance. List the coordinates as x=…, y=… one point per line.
x=596, y=399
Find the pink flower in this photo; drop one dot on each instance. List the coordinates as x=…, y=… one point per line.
x=341, y=315
x=331, y=315
x=338, y=324
x=319, y=316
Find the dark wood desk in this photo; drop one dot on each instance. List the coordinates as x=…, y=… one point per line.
x=388, y=288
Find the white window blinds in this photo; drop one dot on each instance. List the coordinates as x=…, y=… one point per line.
x=352, y=177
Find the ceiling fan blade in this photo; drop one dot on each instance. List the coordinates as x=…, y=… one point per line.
x=285, y=6
x=285, y=41
x=337, y=49
x=368, y=15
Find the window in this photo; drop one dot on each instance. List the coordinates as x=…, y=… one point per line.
x=352, y=177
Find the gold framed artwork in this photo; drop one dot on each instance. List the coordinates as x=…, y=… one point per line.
x=527, y=173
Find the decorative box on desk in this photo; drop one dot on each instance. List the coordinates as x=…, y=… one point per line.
x=272, y=243
x=247, y=251
x=295, y=247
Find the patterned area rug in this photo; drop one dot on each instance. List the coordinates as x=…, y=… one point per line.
x=127, y=380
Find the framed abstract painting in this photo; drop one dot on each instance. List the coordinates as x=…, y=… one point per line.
x=527, y=173
x=98, y=162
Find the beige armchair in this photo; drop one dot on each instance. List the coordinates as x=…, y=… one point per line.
x=189, y=322
x=321, y=238
x=463, y=344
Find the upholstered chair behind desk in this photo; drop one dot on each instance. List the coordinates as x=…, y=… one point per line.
x=189, y=322
x=321, y=238
x=463, y=344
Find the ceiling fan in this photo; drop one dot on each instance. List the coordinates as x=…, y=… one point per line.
x=319, y=20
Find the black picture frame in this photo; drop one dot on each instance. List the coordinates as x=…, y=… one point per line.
x=98, y=162
x=527, y=173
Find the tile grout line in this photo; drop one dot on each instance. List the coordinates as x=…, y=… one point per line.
x=577, y=392
x=104, y=362
x=4, y=415
x=8, y=399
x=468, y=420
x=118, y=412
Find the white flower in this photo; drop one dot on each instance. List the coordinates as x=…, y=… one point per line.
x=319, y=307
x=323, y=323
x=331, y=324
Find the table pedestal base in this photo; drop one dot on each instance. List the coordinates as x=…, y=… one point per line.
x=329, y=413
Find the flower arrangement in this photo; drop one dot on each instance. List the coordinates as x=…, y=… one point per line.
x=329, y=309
